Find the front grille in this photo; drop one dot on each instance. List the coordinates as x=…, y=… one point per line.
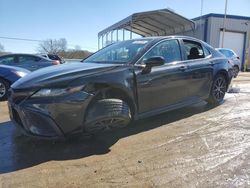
x=42, y=123
x=34, y=123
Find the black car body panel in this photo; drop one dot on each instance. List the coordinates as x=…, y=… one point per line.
x=50, y=75
x=164, y=88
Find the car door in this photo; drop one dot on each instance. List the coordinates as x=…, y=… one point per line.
x=164, y=85
x=200, y=67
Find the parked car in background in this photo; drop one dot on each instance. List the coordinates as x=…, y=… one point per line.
x=27, y=61
x=8, y=75
x=234, y=59
x=125, y=81
x=53, y=57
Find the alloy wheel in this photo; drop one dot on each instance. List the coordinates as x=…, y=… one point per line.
x=219, y=88
x=2, y=90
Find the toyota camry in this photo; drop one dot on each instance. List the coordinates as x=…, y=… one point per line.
x=125, y=81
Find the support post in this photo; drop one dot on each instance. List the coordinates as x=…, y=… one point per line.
x=102, y=40
x=117, y=35
x=112, y=36
x=98, y=42
x=201, y=20
x=224, y=24
x=131, y=28
x=107, y=35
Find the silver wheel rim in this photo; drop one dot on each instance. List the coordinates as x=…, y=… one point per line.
x=2, y=90
x=219, y=89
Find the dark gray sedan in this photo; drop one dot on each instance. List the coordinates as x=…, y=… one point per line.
x=27, y=61
x=125, y=81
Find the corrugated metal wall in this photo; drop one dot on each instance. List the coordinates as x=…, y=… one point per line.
x=235, y=25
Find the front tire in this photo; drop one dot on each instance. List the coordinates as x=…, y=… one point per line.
x=218, y=90
x=107, y=114
x=4, y=87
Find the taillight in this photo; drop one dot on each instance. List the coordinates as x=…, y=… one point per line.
x=55, y=62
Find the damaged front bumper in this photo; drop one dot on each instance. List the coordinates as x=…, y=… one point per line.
x=50, y=117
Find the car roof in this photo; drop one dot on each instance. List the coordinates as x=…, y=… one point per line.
x=159, y=38
x=19, y=54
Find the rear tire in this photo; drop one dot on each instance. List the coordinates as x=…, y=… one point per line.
x=218, y=90
x=107, y=114
x=236, y=71
x=4, y=87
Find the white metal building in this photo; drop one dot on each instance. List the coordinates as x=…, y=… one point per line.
x=237, y=32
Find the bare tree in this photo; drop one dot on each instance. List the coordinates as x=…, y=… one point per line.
x=53, y=46
x=1, y=48
x=75, y=54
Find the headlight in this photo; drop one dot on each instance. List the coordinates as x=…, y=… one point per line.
x=20, y=73
x=57, y=92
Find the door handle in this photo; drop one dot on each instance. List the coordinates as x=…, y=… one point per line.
x=212, y=63
x=183, y=68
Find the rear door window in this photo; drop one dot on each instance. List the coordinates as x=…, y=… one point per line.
x=193, y=50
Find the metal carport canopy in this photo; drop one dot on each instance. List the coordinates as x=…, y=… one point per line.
x=153, y=23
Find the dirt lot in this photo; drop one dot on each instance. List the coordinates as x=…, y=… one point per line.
x=196, y=146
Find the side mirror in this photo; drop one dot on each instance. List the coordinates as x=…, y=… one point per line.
x=152, y=62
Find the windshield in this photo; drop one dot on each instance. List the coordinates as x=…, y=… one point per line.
x=119, y=53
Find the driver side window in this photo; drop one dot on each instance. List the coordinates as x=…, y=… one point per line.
x=169, y=50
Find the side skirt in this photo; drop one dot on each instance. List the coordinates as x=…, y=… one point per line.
x=169, y=108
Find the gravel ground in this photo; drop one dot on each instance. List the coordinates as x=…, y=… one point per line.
x=197, y=146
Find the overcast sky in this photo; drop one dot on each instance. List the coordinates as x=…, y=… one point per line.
x=79, y=21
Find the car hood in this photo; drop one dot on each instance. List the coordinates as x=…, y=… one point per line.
x=60, y=73
x=13, y=68
x=6, y=70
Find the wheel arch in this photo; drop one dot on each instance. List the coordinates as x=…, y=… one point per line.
x=6, y=80
x=104, y=90
x=225, y=74
x=237, y=66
